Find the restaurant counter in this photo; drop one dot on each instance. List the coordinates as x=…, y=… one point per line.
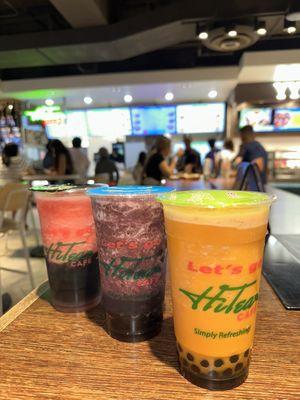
x=49, y=355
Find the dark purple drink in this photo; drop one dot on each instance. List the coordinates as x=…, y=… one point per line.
x=132, y=256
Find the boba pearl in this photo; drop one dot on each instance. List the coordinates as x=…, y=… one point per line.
x=219, y=363
x=234, y=359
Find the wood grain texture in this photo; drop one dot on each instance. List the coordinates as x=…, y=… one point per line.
x=49, y=355
x=20, y=307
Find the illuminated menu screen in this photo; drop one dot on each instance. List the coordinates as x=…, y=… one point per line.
x=201, y=118
x=153, y=120
x=259, y=118
x=109, y=122
x=287, y=119
x=73, y=124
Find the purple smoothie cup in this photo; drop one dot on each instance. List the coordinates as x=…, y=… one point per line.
x=132, y=255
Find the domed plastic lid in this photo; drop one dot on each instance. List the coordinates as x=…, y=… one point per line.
x=216, y=198
x=67, y=187
x=130, y=191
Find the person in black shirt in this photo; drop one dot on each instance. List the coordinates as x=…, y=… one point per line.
x=252, y=151
x=62, y=161
x=190, y=161
x=106, y=170
x=157, y=167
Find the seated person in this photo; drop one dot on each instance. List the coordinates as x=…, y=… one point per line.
x=13, y=165
x=61, y=159
x=189, y=160
x=106, y=166
x=157, y=166
x=138, y=169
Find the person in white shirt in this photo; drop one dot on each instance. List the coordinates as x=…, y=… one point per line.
x=224, y=159
x=13, y=165
x=81, y=162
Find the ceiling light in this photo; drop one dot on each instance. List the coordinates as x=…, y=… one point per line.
x=212, y=94
x=49, y=102
x=169, y=96
x=289, y=27
x=10, y=106
x=128, y=98
x=88, y=100
x=261, y=28
x=231, y=32
x=201, y=32
x=203, y=35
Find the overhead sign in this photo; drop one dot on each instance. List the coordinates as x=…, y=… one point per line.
x=46, y=114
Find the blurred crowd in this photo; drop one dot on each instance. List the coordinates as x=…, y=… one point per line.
x=150, y=169
x=159, y=164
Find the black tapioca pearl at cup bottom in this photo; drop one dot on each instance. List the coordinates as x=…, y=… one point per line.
x=195, y=369
x=179, y=348
x=190, y=357
x=184, y=362
x=204, y=363
x=246, y=354
x=234, y=359
x=227, y=373
x=218, y=363
x=213, y=374
x=238, y=366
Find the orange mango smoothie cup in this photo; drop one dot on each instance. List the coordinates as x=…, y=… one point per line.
x=215, y=248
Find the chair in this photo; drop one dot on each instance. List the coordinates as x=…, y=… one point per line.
x=14, y=198
x=248, y=178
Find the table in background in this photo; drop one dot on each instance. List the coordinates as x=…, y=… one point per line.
x=200, y=184
x=49, y=355
x=50, y=178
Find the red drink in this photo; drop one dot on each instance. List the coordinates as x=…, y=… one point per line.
x=69, y=240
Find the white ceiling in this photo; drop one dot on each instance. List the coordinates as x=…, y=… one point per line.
x=145, y=87
x=147, y=93
x=150, y=87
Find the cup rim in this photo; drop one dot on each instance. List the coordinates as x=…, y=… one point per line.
x=198, y=203
x=129, y=191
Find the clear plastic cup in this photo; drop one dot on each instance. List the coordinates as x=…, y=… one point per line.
x=132, y=256
x=69, y=240
x=215, y=248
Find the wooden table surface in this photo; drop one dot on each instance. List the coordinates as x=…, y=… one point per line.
x=49, y=355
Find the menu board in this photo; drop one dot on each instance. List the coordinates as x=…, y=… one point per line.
x=76, y=123
x=201, y=118
x=287, y=119
x=259, y=118
x=73, y=125
x=56, y=129
x=109, y=121
x=153, y=120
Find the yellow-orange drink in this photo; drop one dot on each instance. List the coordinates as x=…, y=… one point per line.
x=215, y=246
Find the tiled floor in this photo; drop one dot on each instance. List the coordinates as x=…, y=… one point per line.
x=13, y=267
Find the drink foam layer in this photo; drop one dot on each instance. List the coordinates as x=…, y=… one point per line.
x=242, y=210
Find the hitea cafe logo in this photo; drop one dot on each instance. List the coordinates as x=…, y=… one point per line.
x=226, y=299
x=130, y=268
x=68, y=253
